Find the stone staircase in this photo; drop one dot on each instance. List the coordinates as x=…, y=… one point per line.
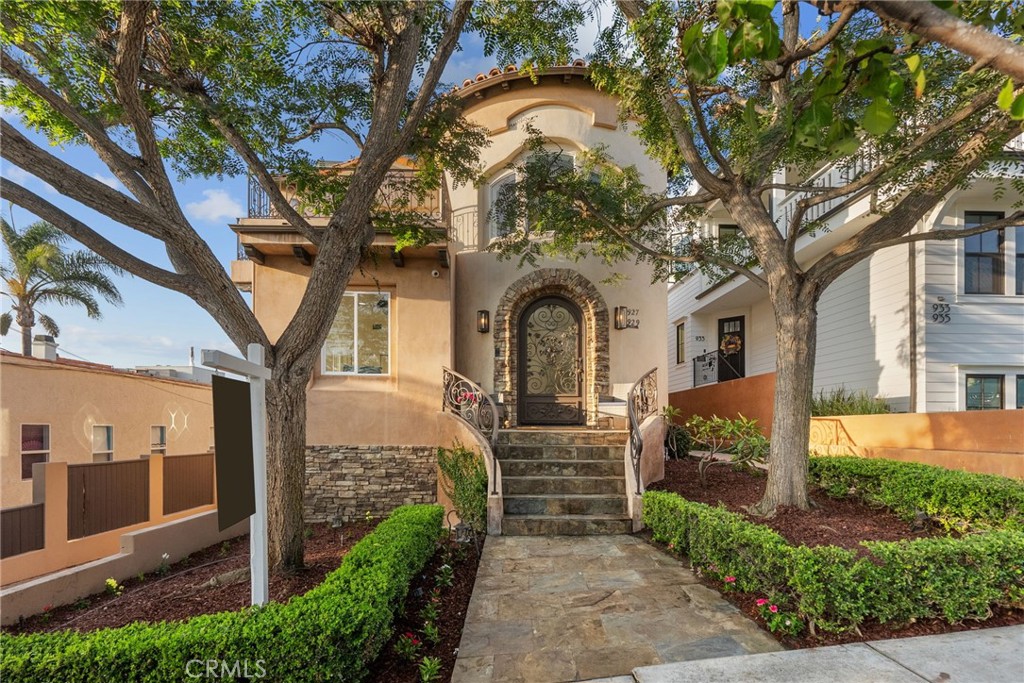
x=567, y=482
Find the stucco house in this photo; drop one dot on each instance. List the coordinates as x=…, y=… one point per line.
x=931, y=327
x=542, y=343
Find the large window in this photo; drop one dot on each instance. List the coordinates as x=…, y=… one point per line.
x=35, y=447
x=1020, y=392
x=359, y=340
x=728, y=232
x=681, y=343
x=984, y=392
x=984, y=267
x=102, y=443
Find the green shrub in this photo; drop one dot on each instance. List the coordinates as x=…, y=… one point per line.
x=330, y=633
x=955, y=499
x=842, y=401
x=834, y=589
x=466, y=484
x=741, y=437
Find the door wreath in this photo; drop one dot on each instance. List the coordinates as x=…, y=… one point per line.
x=731, y=343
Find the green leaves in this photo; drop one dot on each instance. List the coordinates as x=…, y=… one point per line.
x=878, y=117
x=1009, y=103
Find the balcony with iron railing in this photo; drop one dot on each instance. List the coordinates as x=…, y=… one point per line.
x=398, y=191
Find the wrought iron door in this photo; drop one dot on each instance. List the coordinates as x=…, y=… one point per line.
x=551, y=363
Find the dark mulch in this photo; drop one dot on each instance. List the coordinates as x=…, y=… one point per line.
x=180, y=593
x=452, y=605
x=840, y=522
x=834, y=522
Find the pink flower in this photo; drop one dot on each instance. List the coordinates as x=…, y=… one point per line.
x=730, y=579
x=773, y=609
x=761, y=602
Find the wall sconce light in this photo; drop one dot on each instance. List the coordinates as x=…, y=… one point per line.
x=483, y=321
x=620, y=317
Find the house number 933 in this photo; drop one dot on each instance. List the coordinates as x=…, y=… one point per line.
x=940, y=313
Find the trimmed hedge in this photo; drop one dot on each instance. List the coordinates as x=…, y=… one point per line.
x=330, y=633
x=834, y=589
x=955, y=499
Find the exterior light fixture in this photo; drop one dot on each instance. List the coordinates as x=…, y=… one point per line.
x=620, y=317
x=483, y=321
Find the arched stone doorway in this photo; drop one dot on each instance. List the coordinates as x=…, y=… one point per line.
x=568, y=285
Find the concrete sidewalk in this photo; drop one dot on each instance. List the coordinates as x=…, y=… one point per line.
x=994, y=655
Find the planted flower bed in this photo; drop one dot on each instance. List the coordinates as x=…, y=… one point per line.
x=331, y=632
x=973, y=565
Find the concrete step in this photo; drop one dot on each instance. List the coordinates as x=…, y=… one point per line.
x=569, y=468
x=564, y=525
x=565, y=505
x=567, y=437
x=541, y=452
x=563, y=485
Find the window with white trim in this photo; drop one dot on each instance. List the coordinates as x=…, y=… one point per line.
x=984, y=259
x=504, y=185
x=102, y=443
x=35, y=447
x=359, y=342
x=158, y=440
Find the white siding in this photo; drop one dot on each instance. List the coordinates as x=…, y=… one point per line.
x=680, y=302
x=846, y=349
x=761, y=338
x=985, y=332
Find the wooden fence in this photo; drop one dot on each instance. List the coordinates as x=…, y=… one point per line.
x=107, y=495
x=188, y=482
x=21, y=529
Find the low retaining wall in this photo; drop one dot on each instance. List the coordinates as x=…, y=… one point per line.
x=753, y=397
x=141, y=551
x=986, y=441
x=343, y=483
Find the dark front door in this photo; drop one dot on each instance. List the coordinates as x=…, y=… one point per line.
x=731, y=349
x=551, y=363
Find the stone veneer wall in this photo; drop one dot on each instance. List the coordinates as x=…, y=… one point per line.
x=520, y=294
x=344, y=482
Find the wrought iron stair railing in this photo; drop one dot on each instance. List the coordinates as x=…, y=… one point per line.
x=641, y=402
x=468, y=400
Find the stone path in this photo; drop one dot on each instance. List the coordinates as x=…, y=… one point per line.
x=560, y=608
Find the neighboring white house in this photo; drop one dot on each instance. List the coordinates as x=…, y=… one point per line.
x=932, y=327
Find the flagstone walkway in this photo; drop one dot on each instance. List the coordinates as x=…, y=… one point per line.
x=573, y=608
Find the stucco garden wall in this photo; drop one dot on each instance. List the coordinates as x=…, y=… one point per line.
x=74, y=397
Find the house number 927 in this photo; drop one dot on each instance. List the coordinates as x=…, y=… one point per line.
x=940, y=313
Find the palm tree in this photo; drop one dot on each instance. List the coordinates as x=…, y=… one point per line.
x=41, y=272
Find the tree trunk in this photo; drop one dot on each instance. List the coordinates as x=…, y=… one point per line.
x=286, y=467
x=26, y=320
x=796, y=323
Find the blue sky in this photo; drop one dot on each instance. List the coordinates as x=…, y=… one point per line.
x=155, y=325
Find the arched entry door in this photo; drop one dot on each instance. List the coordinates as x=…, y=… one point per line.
x=551, y=363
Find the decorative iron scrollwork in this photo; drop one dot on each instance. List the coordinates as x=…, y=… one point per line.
x=469, y=401
x=641, y=402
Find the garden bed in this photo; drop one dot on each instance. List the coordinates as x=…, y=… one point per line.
x=333, y=631
x=963, y=569
x=450, y=602
x=184, y=589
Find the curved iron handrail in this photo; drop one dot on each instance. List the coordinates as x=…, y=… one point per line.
x=469, y=401
x=641, y=402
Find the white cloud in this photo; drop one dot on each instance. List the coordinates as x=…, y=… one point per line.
x=15, y=174
x=217, y=206
x=108, y=180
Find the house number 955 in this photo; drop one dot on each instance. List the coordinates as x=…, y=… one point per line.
x=940, y=313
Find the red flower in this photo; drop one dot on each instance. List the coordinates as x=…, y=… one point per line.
x=773, y=609
x=730, y=579
x=761, y=601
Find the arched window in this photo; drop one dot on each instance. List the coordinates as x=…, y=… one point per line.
x=503, y=188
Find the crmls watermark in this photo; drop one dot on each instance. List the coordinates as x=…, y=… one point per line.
x=219, y=668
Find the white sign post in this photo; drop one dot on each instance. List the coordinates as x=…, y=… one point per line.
x=258, y=374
